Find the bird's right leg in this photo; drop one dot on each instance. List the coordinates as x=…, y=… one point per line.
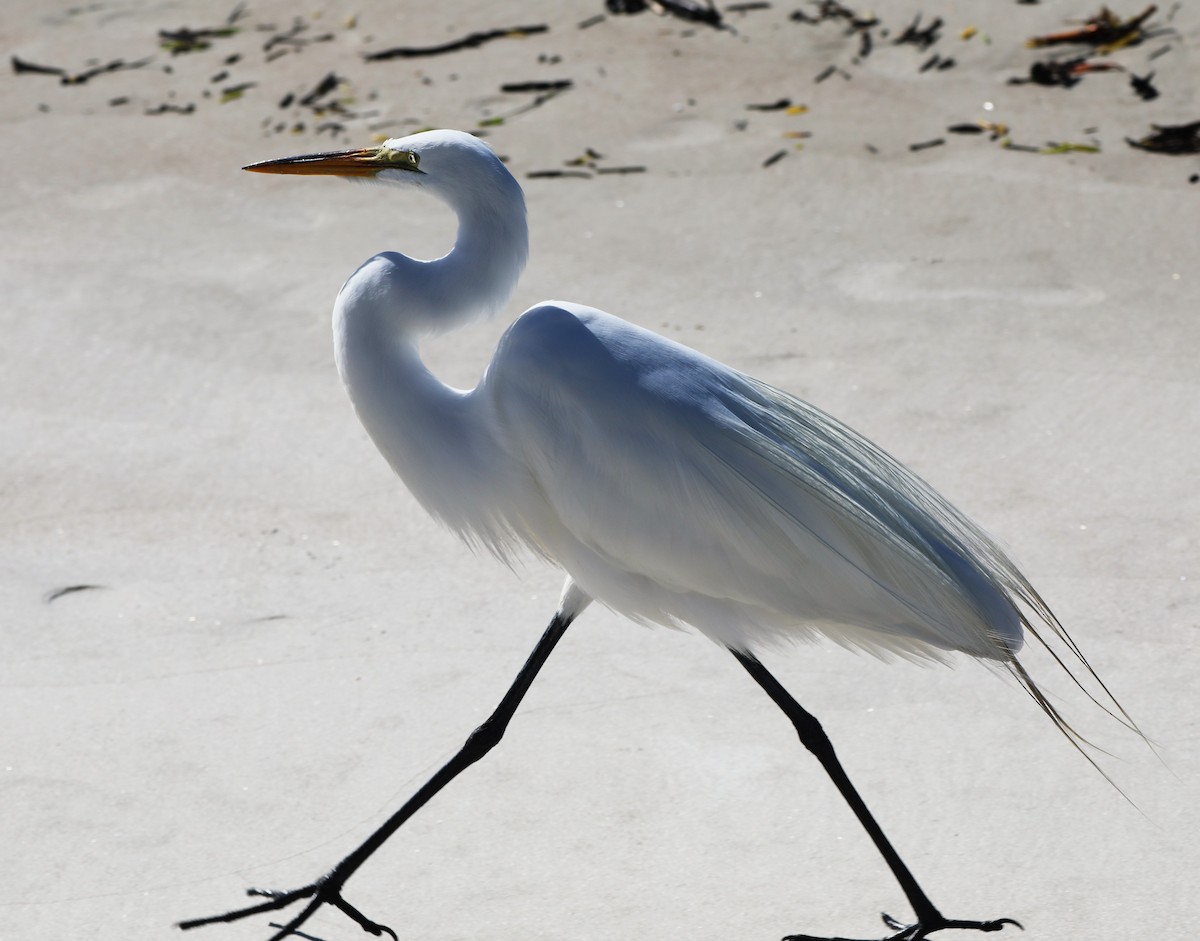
x=813, y=737
x=328, y=889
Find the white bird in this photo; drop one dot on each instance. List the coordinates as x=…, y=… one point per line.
x=671, y=488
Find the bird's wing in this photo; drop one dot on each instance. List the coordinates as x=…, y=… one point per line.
x=676, y=489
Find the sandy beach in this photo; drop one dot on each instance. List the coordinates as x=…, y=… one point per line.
x=234, y=642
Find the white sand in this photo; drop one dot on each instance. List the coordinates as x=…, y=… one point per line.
x=283, y=646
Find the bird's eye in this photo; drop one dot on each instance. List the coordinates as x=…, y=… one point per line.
x=404, y=159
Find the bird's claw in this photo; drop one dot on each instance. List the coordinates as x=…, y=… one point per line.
x=319, y=893
x=920, y=930
x=269, y=893
x=370, y=927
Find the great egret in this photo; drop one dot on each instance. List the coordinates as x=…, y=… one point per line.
x=669, y=487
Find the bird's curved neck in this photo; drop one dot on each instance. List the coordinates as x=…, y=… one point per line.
x=436, y=438
x=475, y=278
x=430, y=433
x=478, y=275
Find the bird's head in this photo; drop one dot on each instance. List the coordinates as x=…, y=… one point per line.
x=493, y=238
x=460, y=168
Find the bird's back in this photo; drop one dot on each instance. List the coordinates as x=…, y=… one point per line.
x=679, y=491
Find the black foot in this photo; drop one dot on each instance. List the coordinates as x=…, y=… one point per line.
x=920, y=930
x=321, y=893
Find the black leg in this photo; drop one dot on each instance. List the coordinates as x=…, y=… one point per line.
x=327, y=889
x=813, y=737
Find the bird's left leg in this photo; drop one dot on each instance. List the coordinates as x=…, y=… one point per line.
x=813, y=737
x=328, y=889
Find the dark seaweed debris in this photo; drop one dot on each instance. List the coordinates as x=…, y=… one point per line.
x=166, y=108
x=781, y=105
x=832, y=10
x=855, y=23
x=694, y=11
x=921, y=38
x=1103, y=29
x=470, y=41
x=1143, y=85
x=691, y=10
x=552, y=174
x=1170, y=139
x=586, y=159
x=322, y=101
x=516, y=87
x=829, y=71
x=54, y=594
x=926, y=145
x=328, y=84
x=234, y=92
x=292, y=39
x=1105, y=32
x=553, y=90
x=936, y=62
x=583, y=166
x=994, y=130
x=185, y=39
x=1063, y=73
x=20, y=66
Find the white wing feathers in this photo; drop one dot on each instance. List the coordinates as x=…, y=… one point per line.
x=748, y=513
x=678, y=491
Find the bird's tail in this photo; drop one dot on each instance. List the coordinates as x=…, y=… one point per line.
x=1047, y=631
